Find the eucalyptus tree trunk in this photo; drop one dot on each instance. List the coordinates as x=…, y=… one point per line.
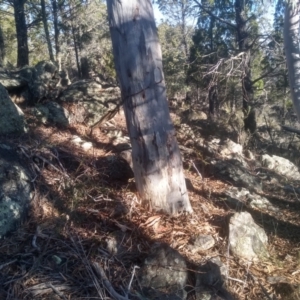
x=292, y=51
x=21, y=29
x=156, y=157
x=45, y=23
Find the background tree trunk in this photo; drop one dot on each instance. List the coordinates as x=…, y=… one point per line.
x=157, y=162
x=243, y=44
x=76, y=50
x=21, y=29
x=56, y=29
x=292, y=51
x=2, y=47
x=85, y=68
x=44, y=16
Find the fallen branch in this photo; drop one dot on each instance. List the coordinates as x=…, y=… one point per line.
x=290, y=129
x=100, y=272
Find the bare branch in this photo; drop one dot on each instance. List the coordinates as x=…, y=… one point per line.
x=291, y=129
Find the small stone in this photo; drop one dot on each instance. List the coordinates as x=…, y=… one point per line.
x=230, y=148
x=112, y=245
x=86, y=146
x=248, y=154
x=201, y=243
x=76, y=140
x=277, y=279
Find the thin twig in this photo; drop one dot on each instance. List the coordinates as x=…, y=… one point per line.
x=49, y=163
x=199, y=174
x=100, y=198
x=7, y=264
x=237, y=280
x=131, y=279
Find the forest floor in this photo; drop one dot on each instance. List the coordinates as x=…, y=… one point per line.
x=77, y=210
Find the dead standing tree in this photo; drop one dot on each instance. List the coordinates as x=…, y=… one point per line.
x=156, y=157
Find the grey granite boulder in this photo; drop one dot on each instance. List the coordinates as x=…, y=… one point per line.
x=52, y=112
x=11, y=116
x=201, y=243
x=236, y=172
x=15, y=190
x=241, y=197
x=38, y=83
x=165, y=271
x=281, y=165
x=246, y=239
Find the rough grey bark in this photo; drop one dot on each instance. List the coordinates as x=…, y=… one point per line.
x=45, y=23
x=157, y=162
x=291, y=43
x=21, y=29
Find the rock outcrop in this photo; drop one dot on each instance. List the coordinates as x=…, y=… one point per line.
x=15, y=190
x=11, y=116
x=92, y=101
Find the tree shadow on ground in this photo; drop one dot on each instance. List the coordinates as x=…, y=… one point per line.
x=76, y=219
